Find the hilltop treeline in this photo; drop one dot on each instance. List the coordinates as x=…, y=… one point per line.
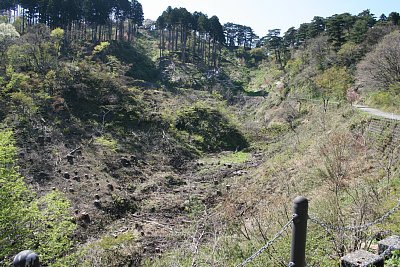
x=98, y=15
x=186, y=32
x=338, y=28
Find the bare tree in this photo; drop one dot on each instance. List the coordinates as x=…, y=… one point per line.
x=380, y=68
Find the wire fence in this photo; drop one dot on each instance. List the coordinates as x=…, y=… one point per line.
x=356, y=228
x=268, y=244
x=327, y=227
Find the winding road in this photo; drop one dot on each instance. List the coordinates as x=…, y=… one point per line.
x=378, y=113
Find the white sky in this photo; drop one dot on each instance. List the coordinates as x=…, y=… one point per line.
x=270, y=14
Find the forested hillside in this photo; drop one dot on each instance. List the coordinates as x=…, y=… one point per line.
x=183, y=141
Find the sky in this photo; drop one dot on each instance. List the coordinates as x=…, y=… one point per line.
x=264, y=15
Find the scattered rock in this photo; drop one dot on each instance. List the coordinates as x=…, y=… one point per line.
x=125, y=162
x=70, y=159
x=97, y=203
x=85, y=217
x=228, y=165
x=110, y=187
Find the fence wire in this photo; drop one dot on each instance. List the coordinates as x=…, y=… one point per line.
x=383, y=255
x=357, y=228
x=268, y=244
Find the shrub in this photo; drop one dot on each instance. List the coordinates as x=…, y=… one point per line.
x=25, y=223
x=213, y=130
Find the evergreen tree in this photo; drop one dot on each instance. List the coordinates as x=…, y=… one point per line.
x=289, y=37
x=394, y=17
x=316, y=27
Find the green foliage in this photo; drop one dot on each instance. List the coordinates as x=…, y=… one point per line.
x=57, y=34
x=18, y=82
x=7, y=34
x=23, y=103
x=53, y=226
x=349, y=54
x=100, y=47
x=216, y=131
x=235, y=158
x=107, y=142
x=394, y=261
x=140, y=64
x=334, y=82
x=36, y=51
x=387, y=100
x=15, y=212
x=121, y=250
x=43, y=224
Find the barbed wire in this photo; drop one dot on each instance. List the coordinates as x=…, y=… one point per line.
x=268, y=244
x=384, y=254
x=358, y=228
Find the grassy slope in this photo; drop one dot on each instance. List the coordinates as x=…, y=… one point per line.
x=169, y=207
x=257, y=202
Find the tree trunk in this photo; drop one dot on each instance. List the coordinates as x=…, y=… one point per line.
x=176, y=39
x=161, y=41
x=169, y=40
x=129, y=30
x=214, y=54
x=209, y=50
x=184, y=46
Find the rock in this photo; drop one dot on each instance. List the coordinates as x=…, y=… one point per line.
x=97, y=203
x=66, y=175
x=97, y=196
x=228, y=187
x=86, y=175
x=70, y=159
x=77, y=178
x=219, y=193
x=110, y=187
x=361, y=258
x=85, y=217
x=71, y=190
x=389, y=242
x=125, y=162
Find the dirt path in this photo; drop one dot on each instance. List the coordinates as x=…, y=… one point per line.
x=378, y=113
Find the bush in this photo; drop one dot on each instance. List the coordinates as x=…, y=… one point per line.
x=43, y=225
x=387, y=100
x=212, y=130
